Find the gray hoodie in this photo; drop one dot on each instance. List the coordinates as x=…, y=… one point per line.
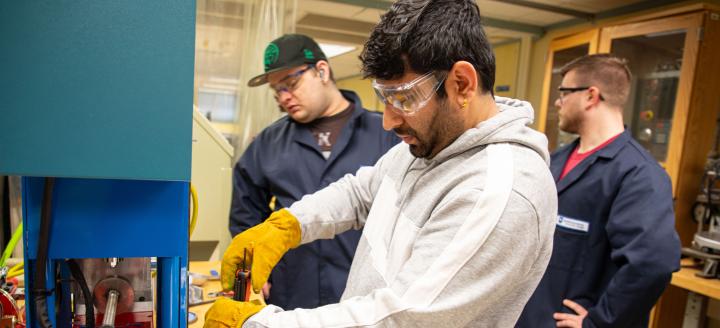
x=460, y=240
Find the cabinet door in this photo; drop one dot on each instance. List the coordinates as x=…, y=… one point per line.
x=561, y=52
x=661, y=55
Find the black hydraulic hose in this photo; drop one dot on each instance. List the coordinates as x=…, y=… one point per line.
x=87, y=295
x=40, y=293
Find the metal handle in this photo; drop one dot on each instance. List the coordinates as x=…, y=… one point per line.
x=110, y=307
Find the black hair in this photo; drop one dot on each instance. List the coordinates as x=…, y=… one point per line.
x=429, y=35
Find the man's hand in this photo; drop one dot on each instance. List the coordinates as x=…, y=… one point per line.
x=226, y=313
x=269, y=242
x=571, y=320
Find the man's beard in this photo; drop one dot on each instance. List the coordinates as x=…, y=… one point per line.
x=439, y=130
x=569, y=124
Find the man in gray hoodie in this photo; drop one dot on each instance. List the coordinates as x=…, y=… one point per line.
x=458, y=219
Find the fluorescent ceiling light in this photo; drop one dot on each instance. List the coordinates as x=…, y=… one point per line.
x=332, y=50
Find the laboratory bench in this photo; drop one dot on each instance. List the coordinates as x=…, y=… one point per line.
x=687, y=279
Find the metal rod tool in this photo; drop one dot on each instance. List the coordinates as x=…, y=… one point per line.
x=243, y=283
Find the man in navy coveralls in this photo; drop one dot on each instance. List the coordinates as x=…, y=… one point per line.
x=615, y=245
x=326, y=135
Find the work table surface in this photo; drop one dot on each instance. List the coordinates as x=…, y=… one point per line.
x=204, y=267
x=686, y=279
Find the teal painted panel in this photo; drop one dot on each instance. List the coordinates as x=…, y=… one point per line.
x=97, y=89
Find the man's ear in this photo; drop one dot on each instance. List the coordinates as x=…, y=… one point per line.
x=594, y=95
x=462, y=83
x=323, y=69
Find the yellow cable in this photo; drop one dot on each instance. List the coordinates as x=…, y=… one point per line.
x=194, y=197
x=16, y=267
x=273, y=201
x=15, y=274
x=11, y=245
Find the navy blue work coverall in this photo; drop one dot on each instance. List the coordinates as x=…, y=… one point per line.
x=285, y=161
x=615, y=244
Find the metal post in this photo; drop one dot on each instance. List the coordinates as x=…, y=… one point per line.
x=109, y=317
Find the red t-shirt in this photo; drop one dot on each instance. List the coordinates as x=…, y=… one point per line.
x=575, y=157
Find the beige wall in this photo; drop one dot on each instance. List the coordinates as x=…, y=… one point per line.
x=506, y=67
x=364, y=89
x=537, y=73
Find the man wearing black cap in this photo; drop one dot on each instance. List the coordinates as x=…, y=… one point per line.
x=326, y=135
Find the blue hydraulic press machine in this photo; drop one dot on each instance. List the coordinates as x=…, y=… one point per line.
x=96, y=115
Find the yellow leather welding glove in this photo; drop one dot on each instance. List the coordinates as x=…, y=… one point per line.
x=228, y=313
x=269, y=240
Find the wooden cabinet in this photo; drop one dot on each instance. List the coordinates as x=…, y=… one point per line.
x=662, y=56
x=674, y=101
x=673, y=107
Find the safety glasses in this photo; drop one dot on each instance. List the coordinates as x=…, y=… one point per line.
x=408, y=98
x=289, y=83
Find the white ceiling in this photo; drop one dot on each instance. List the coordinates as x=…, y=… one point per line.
x=349, y=22
x=338, y=22
x=520, y=14
x=593, y=6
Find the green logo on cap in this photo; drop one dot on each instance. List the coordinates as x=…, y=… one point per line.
x=271, y=55
x=308, y=54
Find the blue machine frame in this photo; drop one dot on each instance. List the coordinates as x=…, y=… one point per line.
x=101, y=218
x=99, y=95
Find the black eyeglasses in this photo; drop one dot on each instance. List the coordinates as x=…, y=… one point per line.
x=563, y=91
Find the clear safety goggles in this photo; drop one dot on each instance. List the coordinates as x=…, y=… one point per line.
x=289, y=83
x=410, y=97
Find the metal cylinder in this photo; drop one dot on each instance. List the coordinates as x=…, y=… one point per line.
x=110, y=307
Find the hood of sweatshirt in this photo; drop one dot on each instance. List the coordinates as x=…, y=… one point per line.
x=510, y=125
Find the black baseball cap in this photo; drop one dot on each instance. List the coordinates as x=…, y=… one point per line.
x=288, y=51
